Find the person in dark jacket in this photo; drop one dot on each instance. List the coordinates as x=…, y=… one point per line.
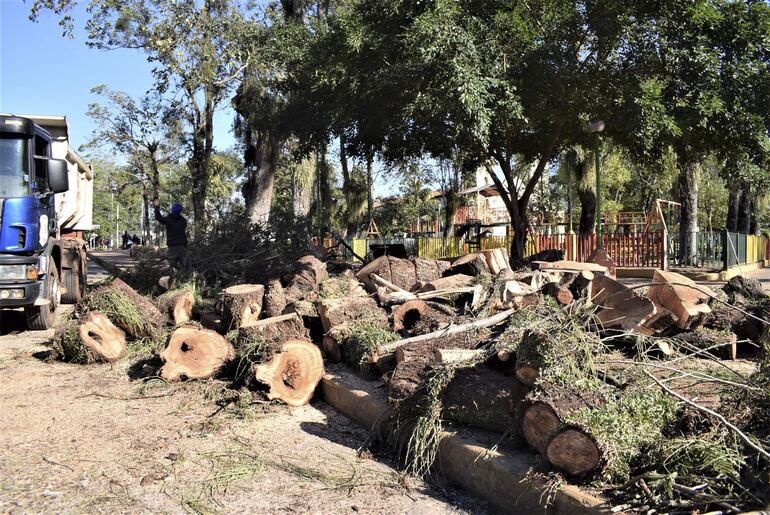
x=176, y=234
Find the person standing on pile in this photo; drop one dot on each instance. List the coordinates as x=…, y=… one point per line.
x=176, y=235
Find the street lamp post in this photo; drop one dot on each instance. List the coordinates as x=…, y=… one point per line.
x=596, y=127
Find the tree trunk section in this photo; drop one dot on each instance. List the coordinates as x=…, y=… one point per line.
x=195, y=353
x=688, y=196
x=587, y=199
x=178, y=305
x=744, y=211
x=91, y=340
x=480, y=397
x=242, y=304
x=293, y=372
x=733, y=207
x=258, y=188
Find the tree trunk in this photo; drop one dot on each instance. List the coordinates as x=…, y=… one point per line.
x=744, y=210
x=689, y=172
x=587, y=211
x=258, y=188
x=302, y=189
x=326, y=182
x=126, y=308
x=733, y=206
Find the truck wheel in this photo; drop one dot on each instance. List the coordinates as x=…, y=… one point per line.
x=40, y=318
x=74, y=283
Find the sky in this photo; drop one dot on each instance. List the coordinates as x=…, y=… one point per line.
x=43, y=73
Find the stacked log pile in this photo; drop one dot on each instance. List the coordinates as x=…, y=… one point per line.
x=598, y=378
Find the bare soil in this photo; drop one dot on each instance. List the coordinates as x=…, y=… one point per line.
x=80, y=439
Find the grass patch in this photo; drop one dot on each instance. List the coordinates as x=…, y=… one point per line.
x=362, y=340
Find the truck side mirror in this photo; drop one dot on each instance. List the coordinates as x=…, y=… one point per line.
x=58, y=175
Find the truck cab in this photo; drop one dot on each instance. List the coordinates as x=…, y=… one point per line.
x=42, y=256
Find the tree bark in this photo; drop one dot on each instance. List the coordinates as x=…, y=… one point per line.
x=744, y=210
x=733, y=206
x=258, y=188
x=689, y=172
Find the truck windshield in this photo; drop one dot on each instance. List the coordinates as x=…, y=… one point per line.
x=14, y=164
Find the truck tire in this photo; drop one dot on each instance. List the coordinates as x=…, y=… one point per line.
x=74, y=282
x=40, y=318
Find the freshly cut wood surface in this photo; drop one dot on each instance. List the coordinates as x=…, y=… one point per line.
x=293, y=373
x=574, y=452
x=195, y=353
x=177, y=304
x=687, y=300
x=242, y=304
x=101, y=337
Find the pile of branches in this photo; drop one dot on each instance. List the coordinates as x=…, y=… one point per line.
x=635, y=391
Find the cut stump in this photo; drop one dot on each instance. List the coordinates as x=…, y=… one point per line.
x=242, y=304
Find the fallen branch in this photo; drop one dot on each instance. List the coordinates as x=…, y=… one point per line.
x=390, y=348
x=713, y=413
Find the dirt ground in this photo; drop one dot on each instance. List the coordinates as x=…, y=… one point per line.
x=87, y=439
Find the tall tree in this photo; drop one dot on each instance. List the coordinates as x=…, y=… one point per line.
x=137, y=130
x=194, y=48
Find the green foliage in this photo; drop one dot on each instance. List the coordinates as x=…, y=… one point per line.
x=627, y=427
x=362, y=340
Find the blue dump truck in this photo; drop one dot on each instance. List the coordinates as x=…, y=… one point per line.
x=46, y=203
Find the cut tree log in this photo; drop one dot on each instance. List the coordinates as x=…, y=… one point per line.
x=498, y=318
x=332, y=349
x=497, y=260
x=746, y=287
x=337, y=314
x=448, y=283
x=416, y=317
x=399, y=272
x=275, y=300
x=178, y=305
x=242, y=304
x=559, y=293
x=272, y=330
x=293, y=372
x=682, y=297
x=546, y=409
x=720, y=342
x=621, y=308
x=195, y=353
x=427, y=270
x=470, y=264
x=454, y=355
x=427, y=350
x=302, y=283
x=480, y=397
x=125, y=308
x=90, y=340
x=600, y=257
x=539, y=348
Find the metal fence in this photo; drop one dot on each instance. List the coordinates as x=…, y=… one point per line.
x=717, y=250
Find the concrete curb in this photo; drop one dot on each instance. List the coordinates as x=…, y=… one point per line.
x=498, y=477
